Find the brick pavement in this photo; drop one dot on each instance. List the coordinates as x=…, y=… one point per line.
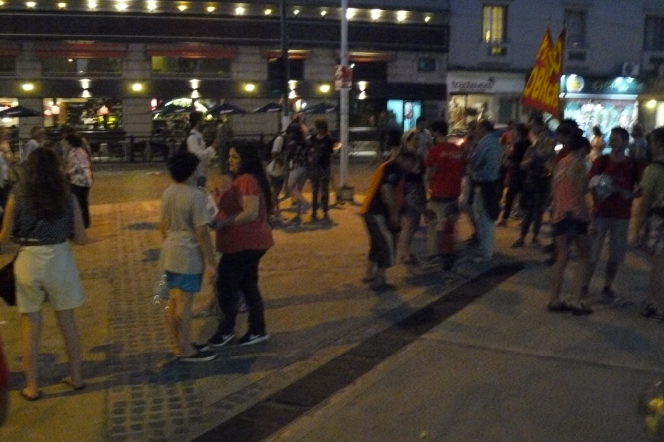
x=316, y=309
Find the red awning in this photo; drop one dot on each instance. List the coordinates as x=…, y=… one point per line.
x=369, y=56
x=191, y=51
x=80, y=50
x=293, y=54
x=9, y=50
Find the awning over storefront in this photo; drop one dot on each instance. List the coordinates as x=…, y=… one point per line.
x=185, y=50
x=8, y=49
x=81, y=50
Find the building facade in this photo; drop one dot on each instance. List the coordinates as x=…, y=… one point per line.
x=614, y=59
x=133, y=67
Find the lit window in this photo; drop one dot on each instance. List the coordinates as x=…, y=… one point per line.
x=297, y=11
x=375, y=14
x=31, y=4
x=427, y=19
x=182, y=8
x=152, y=6
x=210, y=9
x=137, y=87
x=239, y=10
x=401, y=16
x=350, y=13
x=493, y=23
x=268, y=11
x=249, y=87
x=92, y=4
x=575, y=22
x=122, y=6
x=323, y=13
x=62, y=5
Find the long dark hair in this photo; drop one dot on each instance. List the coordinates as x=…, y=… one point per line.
x=44, y=186
x=251, y=163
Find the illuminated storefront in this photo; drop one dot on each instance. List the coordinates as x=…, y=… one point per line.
x=477, y=95
x=606, y=103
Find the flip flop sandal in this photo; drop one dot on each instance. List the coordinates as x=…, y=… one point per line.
x=67, y=381
x=31, y=398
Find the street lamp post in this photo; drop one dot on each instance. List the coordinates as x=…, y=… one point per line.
x=286, y=65
x=346, y=190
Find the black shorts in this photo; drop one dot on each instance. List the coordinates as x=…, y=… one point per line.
x=570, y=227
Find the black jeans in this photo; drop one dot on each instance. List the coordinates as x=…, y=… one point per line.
x=238, y=272
x=320, y=185
x=81, y=194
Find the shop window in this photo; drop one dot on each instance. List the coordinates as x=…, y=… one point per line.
x=95, y=114
x=7, y=65
x=575, y=21
x=653, y=39
x=188, y=66
x=275, y=69
x=426, y=64
x=82, y=66
x=494, y=23
x=369, y=71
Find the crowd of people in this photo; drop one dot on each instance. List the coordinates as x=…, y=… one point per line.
x=427, y=178
x=588, y=192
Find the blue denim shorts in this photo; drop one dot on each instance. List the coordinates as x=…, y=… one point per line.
x=186, y=282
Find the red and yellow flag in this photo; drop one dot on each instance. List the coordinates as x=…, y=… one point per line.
x=543, y=88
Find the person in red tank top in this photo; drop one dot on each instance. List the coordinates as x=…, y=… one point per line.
x=445, y=168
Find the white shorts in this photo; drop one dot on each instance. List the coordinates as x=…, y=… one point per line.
x=47, y=274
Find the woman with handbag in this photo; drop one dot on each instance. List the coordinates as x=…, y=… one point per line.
x=42, y=216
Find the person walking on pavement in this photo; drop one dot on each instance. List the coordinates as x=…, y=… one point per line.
x=196, y=145
x=296, y=155
x=649, y=224
x=79, y=172
x=243, y=237
x=186, y=252
x=611, y=215
x=416, y=200
x=37, y=139
x=424, y=137
x=570, y=219
x=42, y=216
x=319, y=168
x=485, y=166
x=382, y=209
x=277, y=169
x=516, y=176
x=445, y=167
x=536, y=167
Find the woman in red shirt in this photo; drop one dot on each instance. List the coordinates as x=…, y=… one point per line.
x=243, y=237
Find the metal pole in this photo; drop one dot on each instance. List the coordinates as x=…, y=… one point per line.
x=343, y=104
x=285, y=108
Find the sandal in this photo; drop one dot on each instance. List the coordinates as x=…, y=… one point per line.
x=68, y=381
x=27, y=397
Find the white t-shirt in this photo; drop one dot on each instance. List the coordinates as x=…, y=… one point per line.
x=183, y=208
x=278, y=144
x=196, y=145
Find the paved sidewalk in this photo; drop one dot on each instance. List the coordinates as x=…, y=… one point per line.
x=503, y=349
x=316, y=310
